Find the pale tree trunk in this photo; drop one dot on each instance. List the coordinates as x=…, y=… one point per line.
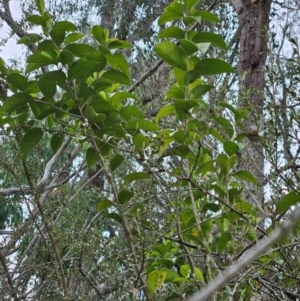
x=254, y=20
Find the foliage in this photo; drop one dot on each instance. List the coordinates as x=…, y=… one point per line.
x=106, y=201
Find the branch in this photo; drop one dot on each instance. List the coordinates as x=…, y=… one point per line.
x=250, y=256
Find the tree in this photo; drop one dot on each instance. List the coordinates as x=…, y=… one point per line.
x=102, y=200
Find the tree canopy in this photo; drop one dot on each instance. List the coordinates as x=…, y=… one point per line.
x=149, y=151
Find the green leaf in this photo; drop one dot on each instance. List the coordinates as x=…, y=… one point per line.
x=199, y=91
x=58, y=35
x=135, y=176
x=223, y=241
x=124, y=196
x=72, y=37
x=172, y=54
x=117, y=76
x=129, y=111
x=66, y=57
x=40, y=5
x=289, y=200
x=164, y=111
x=176, y=92
x=171, y=32
x=40, y=59
x=212, y=38
x=36, y=20
x=103, y=204
x=3, y=69
x=231, y=148
x=206, y=16
x=56, y=141
x=56, y=76
x=65, y=25
x=226, y=125
x=47, y=87
x=183, y=107
x=115, y=162
x=80, y=50
x=143, y=124
x=29, y=38
x=90, y=114
x=191, y=76
x=81, y=69
x=117, y=61
x=168, y=16
x=91, y=157
x=199, y=274
x=31, y=138
x=116, y=44
x=18, y=80
x=99, y=34
x=15, y=101
x=213, y=66
x=185, y=270
x=188, y=46
x=155, y=280
x=245, y=175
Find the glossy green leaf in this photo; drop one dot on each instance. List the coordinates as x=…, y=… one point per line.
x=29, y=38
x=231, y=148
x=31, y=138
x=40, y=59
x=171, y=32
x=91, y=157
x=206, y=16
x=36, y=20
x=115, y=162
x=124, y=196
x=131, y=111
x=40, y=5
x=103, y=204
x=183, y=107
x=188, y=46
x=172, y=54
x=245, y=175
x=117, y=76
x=56, y=76
x=226, y=125
x=116, y=44
x=66, y=25
x=47, y=87
x=66, y=57
x=143, y=124
x=117, y=61
x=99, y=34
x=15, y=101
x=56, y=141
x=214, y=39
x=72, y=37
x=213, y=66
x=289, y=200
x=80, y=50
x=135, y=176
x=81, y=69
x=168, y=16
x=191, y=76
x=164, y=111
x=18, y=80
x=199, y=90
x=58, y=35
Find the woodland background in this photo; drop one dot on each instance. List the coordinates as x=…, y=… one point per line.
x=147, y=147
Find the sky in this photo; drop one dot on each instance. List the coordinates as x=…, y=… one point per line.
x=11, y=49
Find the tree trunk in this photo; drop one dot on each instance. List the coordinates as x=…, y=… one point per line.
x=254, y=20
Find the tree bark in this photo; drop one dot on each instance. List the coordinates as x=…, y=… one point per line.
x=254, y=21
